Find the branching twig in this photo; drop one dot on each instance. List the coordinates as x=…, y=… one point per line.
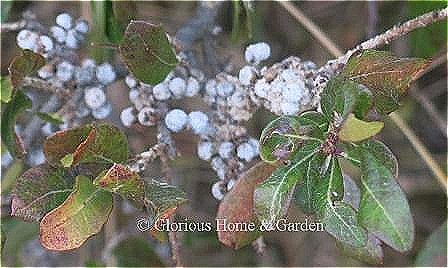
x=378, y=41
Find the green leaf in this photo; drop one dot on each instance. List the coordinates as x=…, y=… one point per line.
x=305, y=189
x=121, y=180
x=39, y=190
x=339, y=96
x=119, y=14
x=330, y=186
x=135, y=251
x=355, y=130
x=339, y=218
x=53, y=118
x=67, y=161
x=340, y=221
x=6, y=89
x=81, y=215
x=162, y=200
x=90, y=143
x=387, y=76
x=19, y=103
x=146, y=51
x=364, y=103
x=23, y=65
x=371, y=253
x=272, y=197
x=276, y=139
x=285, y=134
x=237, y=205
x=377, y=149
x=433, y=253
x=384, y=210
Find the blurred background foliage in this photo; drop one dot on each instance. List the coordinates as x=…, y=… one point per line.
x=347, y=24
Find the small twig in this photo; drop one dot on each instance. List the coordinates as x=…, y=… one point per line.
x=380, y=40
x=166, y=152
x=13, y=26
x=40, y=84
x=311, y=27
x=398, y=31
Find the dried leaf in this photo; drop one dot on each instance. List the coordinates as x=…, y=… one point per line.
x=81, y=215
x=146, y=51
x=237, y=205
x=387, y=76
x=19, y=103
x=39, y=190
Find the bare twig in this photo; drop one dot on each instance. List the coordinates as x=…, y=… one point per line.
x=44, y=85
x=380, y=40
x=13, y=26
x=166, y=152
x=398, y=31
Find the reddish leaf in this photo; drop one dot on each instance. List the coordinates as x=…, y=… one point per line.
x=39, y=190
x=90, y=143
x=387, y=76
x=237, y=205
x=81, y=215
x=121, y=180
x=23, y=65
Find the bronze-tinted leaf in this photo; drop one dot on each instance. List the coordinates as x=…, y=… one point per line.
x=23, y=65
x=104, y=144
x=387, y=76
x=39, y=190
x=121, y=180
x=237, y=205
x=146, y=51
x=81, y=215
